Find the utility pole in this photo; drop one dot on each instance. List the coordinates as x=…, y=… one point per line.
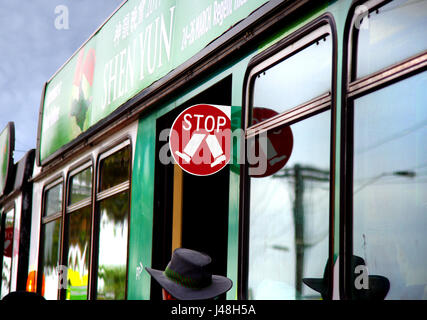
x=299, y=227
x=300, y=174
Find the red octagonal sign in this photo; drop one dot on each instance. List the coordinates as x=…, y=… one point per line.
x=200, y=139
x=8, y=242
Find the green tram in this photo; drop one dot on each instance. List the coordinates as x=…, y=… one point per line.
x=344, y=218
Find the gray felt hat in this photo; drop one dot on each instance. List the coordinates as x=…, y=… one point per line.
x=187, y=276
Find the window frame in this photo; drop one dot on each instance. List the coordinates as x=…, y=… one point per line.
x=284, y=48
x=99, y=196
x=64, y=178
x=354, y=88
x=319, y=103
x=360, y=86
x=73, y=172
x=70, y=209
x=52, y=183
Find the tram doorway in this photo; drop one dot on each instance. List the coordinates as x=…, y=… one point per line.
x=190, y=211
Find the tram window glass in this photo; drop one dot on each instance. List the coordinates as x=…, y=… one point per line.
x=392, y=33
x=9, y=225
x=113, y=236
x=53, y=200
x=79, y=230
x=51, y=241
x=390, y=185
x=81, y=186
x=113, y=227
x=51, y=249
x=298, y=79
x=79, y=235
x=289, y=209
x=115, y=169
x=289, y=217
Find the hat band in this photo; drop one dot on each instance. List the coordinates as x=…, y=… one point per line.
x=186, y=281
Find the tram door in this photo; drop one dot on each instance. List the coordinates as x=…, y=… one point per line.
x=190, y=211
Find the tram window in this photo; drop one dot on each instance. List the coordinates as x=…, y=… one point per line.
x=113, y=236
x=392, y=33
x=115, y=169
x=51, y=248
x=6, y=276
x=79, y=230
x=289, y=217
x=289, y=205
x=81, y=186
x=51, y=242
x=113, y=220
x=390, y=185
x=79, y=235
x=53, y=200
x=298, y=79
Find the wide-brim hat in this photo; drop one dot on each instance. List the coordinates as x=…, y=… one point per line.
x=378, y=286
x=187, y=276
x=321, y=285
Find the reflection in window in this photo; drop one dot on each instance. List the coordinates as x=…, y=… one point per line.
x=79, y=235
x=390, y=185
x=113, y=228
x=79, y=228
x=113, y=236
x=395, y=32
x=289, y=217
x=50, y=262
x=81, y=186
x=53, y=200
x=51, y=231
x=298, y=79
x=115, y=169
x=6, y=274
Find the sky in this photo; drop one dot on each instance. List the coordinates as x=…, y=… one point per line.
x=36, y=39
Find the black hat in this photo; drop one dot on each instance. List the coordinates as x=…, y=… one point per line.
x=378, y=286
x=321, y=285
x=187, y=277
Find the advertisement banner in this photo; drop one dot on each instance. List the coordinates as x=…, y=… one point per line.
x=142, y=42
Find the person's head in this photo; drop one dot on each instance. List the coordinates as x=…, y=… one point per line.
x=187, y=277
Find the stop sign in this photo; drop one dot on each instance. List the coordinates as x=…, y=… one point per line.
x=8, y=242
x=200, y=139
x=278, y=145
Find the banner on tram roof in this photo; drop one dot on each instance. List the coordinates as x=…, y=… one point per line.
x=7, y=137
x=139, y=44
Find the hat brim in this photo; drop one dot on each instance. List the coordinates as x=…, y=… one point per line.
x=218, y=286
x=378, y=289
x=316, y=284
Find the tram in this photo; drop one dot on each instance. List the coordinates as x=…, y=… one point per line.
x=336, y=88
